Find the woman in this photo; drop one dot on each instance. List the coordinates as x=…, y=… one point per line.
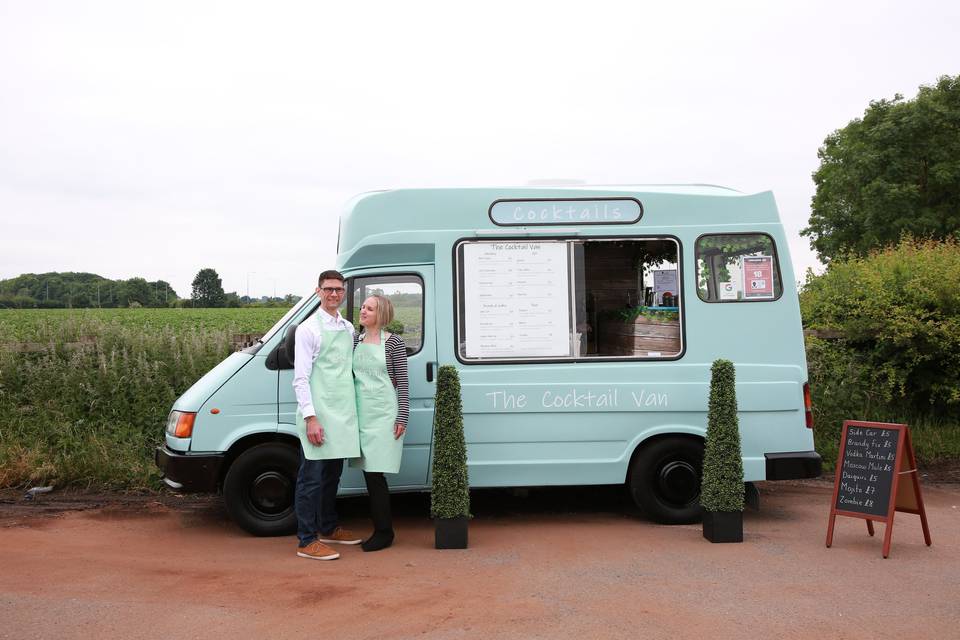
x=383, y=405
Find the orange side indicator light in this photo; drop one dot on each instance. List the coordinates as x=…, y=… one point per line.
x=214, y=411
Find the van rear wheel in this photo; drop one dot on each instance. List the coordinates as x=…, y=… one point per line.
x=258, y=489
x=665, y=480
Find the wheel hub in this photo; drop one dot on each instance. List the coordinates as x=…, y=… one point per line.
x=271, y=493
x=678, y=482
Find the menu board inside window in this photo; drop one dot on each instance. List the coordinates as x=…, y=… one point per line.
x=516, y=298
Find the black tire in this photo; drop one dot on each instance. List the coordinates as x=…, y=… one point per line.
x=665, y=480
x=258, y=489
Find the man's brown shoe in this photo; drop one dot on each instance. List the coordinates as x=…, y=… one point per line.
x=316, y=550
x=340, y=536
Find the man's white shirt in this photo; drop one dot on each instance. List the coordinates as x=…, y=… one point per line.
x=309, y=339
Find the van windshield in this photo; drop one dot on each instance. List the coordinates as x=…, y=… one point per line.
x=286, y=317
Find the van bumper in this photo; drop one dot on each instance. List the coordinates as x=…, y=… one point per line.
x=793, y=465
x=185, y=472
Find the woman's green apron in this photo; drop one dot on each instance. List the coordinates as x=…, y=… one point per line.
x=376, y=410
x=331, y=387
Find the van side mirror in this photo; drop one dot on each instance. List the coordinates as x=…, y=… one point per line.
x=282, y=355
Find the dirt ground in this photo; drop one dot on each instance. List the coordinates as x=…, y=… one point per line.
x=551, y=563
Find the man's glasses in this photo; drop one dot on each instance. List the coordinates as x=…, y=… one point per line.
x=331, y=290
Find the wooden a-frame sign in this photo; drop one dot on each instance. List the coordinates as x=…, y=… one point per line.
x=876, y=476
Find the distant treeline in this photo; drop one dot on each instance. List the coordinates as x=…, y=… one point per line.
x=59, y=290
x=89, y=290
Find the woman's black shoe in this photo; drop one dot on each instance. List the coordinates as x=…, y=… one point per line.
x=379, y=540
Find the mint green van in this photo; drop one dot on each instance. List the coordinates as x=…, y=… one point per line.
x=583, y=322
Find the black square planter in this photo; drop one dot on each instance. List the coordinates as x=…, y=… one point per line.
x=450, y=533
x=723, y=526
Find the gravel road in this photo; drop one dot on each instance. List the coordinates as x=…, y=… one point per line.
x=541, y=564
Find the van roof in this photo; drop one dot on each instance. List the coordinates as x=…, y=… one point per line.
x=401, y=211
x=680, y=189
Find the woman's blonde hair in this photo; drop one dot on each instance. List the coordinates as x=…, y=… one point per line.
x=384, y=310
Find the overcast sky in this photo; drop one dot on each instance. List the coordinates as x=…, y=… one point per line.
x=156, y=138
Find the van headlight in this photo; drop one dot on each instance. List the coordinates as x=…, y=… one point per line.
x=180, y=423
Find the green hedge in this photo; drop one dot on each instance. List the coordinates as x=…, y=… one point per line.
x=893, y=351
x=898, y=314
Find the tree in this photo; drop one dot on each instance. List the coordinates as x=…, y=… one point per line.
x=208, y=289
x=138, y=291
x=895, y=171
x=163, y=293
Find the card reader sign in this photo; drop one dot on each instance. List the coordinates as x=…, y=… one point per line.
x=566, y=212
x=757, y=277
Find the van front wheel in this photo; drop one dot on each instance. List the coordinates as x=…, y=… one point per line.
x=258, y=489
x=665, y=480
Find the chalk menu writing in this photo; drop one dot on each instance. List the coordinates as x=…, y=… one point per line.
x=516, y=299
x=867, y=469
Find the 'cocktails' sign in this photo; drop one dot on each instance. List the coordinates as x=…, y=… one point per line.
x=573, y=211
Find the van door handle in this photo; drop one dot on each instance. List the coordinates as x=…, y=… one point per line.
x=429, y=372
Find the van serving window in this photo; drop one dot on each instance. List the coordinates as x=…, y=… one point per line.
x=737, y=267
x=570, y=299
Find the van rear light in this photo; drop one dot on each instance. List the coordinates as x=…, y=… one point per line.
x=807, y=405
x=180, y=424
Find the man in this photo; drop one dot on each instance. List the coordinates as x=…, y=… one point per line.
x=326, y=419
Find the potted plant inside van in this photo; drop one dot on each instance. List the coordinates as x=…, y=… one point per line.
x=450, y=497
x=722, y=492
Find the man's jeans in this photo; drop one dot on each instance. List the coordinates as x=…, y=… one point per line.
x=315, y=500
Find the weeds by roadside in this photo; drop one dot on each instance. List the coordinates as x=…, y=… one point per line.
x=90, y=414
x=842, y=390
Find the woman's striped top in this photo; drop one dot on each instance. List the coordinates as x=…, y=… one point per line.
x=396, y=355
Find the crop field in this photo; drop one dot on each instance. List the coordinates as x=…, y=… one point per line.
x=37, y=325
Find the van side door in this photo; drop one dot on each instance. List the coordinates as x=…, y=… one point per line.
x=410, y=289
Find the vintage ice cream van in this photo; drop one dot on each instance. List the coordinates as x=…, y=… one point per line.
x=583, y=322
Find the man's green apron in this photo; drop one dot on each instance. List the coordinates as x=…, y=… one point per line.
x=376, y=410
x=331, y=387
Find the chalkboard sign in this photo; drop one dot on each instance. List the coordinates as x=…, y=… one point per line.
x=876, y=476
x=868, y=465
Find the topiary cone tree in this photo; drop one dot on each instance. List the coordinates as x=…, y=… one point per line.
x=450, y=496
x=721, y=492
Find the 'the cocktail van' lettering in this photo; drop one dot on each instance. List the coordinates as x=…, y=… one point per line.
x=644, y=399
x=504, y=400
